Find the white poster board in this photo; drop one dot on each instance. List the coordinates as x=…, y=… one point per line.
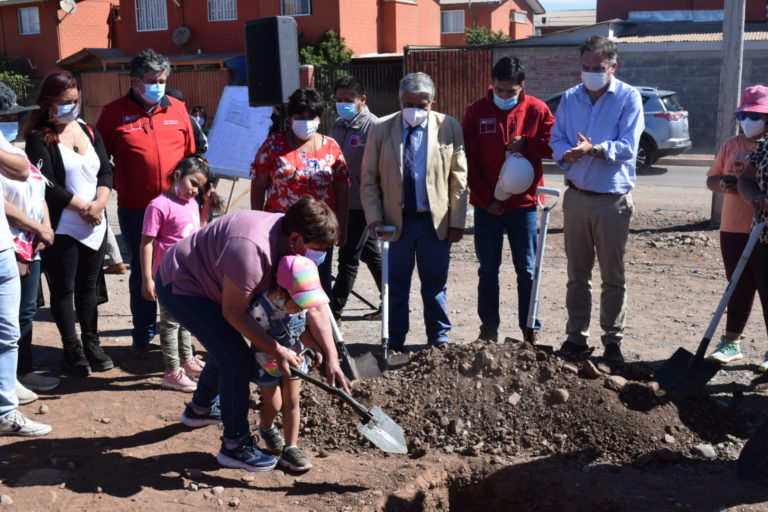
x=237, y=133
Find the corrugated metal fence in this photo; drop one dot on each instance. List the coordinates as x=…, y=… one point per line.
x=461, y=75
x=200, y=87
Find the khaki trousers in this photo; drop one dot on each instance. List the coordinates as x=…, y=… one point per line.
x=596, y=225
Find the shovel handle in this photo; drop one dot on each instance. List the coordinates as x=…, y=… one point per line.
x=554, y=192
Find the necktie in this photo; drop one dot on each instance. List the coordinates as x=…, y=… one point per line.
x=409, y=174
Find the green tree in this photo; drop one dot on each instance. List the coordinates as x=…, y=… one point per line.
x=481, y=35
x=13, y=74
x=329, y=51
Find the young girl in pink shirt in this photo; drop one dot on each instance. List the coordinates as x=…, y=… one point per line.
x=171, y=216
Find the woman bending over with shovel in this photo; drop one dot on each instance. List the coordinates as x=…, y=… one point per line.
x=729, y=165
x=208, y=281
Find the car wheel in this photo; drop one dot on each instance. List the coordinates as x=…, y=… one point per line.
x=646, y=154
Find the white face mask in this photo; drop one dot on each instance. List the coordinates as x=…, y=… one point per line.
x=595, y=81
x=752, y=129
x=415, y=116
x=304, y=129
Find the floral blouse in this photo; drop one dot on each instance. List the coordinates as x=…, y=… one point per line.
x=293, y=174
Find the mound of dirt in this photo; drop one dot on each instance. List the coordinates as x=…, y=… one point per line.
x=509, y=400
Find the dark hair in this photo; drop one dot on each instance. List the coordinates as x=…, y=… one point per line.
x=304, y=100
x=313, y=220
x=350, y=82
x=54, y=85
x=149, y=60
x=509, y=68
x=602, y=45
x=198, y=109
x=193, y=164
x=175, y=93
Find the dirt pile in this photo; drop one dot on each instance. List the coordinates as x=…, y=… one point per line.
x=510, y=400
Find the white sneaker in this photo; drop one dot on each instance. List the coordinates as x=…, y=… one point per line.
x=38, y=382
x=178, y=380
x=24, y=395
x=16, y=424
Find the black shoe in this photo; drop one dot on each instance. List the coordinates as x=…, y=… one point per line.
x=140, y=351
x=98, y=359
x=74, y=362
x=571, y=349
x=612, y=353
x=487, y=337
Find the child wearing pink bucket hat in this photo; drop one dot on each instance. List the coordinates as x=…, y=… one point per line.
x=282, y=313
x=728, y=166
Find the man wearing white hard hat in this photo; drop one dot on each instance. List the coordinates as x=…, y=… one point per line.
x=595, y=139
x=507, y=134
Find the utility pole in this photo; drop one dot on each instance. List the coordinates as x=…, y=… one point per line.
x=730, y=84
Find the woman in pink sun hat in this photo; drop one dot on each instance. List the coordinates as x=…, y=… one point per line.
x=733, y=162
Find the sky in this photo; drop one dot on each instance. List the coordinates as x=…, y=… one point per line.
x=559, y=5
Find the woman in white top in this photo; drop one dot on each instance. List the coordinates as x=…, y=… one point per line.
x=71, y=155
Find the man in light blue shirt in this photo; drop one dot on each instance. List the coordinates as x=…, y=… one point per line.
x=595, y=139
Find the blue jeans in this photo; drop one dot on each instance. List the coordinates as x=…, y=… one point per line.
x=143, y=311
x=418, y=243
x=230, y=363
x=520, y=225
x=10, y=295
x=27, y=311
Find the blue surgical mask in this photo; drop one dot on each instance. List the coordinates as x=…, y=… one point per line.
x=346, y=110
x=200, y=121
x=316, y=256
x=153, y=93
x=10, y=130
x=506, y=104
x=67, y=113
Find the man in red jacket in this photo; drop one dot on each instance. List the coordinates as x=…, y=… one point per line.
x=505, y=121
x=147, y=133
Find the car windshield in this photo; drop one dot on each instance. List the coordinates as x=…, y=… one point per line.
x=671, y=104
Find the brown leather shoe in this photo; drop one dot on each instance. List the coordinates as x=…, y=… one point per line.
x=119, y=268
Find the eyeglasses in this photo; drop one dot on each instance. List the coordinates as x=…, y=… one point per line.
x=754, y=116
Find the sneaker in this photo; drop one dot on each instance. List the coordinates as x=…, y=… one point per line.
x=294, y=459
x=37, y=382
x=727, y=351
x=24, y=395
x=487, y=337
x=97, y=358
x=193, y=419
x=16, y=424
x=612, y=353
x=178, y=381
x=763, y=367
x=74, y=362
x=571, y=349
x=245, y=456
x=273, y=440
x=193, y=368
x=118, y=268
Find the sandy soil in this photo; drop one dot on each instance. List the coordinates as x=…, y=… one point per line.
x=117, y=443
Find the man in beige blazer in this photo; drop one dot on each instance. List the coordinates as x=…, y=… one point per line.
x=414, y=177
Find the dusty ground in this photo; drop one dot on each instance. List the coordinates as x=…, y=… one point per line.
x=489, y=426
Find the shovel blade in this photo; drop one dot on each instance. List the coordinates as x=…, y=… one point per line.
x=673, y=369
x=382, y=431
x=701, y=373
x=367, y=366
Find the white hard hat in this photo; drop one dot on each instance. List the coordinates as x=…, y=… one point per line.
x=516, y=177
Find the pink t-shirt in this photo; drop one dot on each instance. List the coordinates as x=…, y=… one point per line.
x=732, y=159
x=244, y=246
x=169, y=219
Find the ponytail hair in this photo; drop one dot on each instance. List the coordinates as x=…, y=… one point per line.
x=194, y=164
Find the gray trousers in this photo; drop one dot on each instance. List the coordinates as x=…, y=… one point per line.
x=596, y=225
x=175, y=341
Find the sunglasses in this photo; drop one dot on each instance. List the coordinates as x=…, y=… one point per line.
x=754, y=116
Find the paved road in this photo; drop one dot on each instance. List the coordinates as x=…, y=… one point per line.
x=661, y=174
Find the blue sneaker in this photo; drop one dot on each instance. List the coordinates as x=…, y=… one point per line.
x=245, y=456
x=195, y=420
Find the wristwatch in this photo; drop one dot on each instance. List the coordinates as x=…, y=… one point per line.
x=595, y=150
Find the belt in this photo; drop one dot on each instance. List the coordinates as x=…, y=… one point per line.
x=591, y=192
x=417, y=214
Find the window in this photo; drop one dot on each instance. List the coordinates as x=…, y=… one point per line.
x=452, y=22
x=222, y=10
x=151, y=15
x=520, y=17
x=296, y=7
x=29, y=21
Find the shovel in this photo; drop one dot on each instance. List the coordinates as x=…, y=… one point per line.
x=533, y=305
x=684, y=373
x=354, y=368
x=385, y=358
x=379, y=428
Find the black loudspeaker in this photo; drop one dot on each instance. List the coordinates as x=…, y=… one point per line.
x=272, y=60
